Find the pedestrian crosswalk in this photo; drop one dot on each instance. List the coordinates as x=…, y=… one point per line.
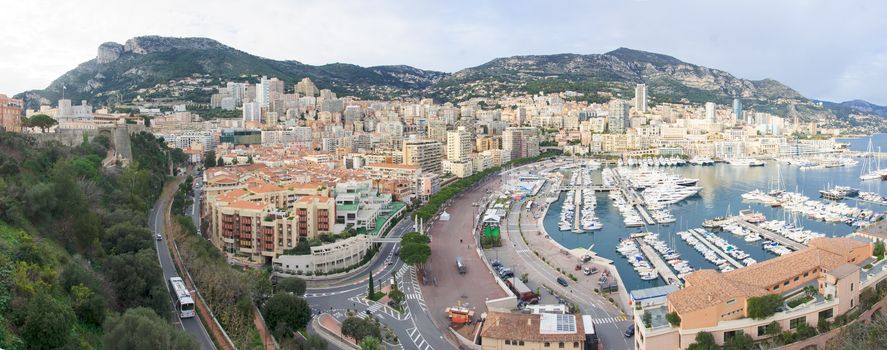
x=418, y=340
x=615, y=319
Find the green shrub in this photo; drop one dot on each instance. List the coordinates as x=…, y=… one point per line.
x=763, y=307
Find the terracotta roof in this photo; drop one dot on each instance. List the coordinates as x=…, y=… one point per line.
x=265, y=188
x=837, y=245
x=501, y=325
x=319, y=199
x=705, y=288
x=232, y=195
x=247, y=205
x=392, y=165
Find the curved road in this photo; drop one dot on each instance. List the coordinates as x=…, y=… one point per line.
x=191, y=325
x=414, y=328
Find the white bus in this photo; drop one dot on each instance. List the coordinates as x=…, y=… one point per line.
x=182, y=297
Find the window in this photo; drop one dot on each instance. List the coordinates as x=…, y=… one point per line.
x=507, y=342
x=796, y=322
x=731, y=301
x=851, y=286
x=851, y=302
x=729, y=335
x=776, y=287
x=546, y=344
x=521, y=343
x=785, y=283
x=806, y=273
x=762, y=331
x=560, y=345
x=826, y=314
x=796, y=278
x=575, y=344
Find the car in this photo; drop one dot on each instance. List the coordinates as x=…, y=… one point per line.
x=629, y=332
x=589, y=271
x=159, y=237
x=562, y=281
x=496, y=263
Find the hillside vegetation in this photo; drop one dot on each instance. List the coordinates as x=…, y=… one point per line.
x=78, y=268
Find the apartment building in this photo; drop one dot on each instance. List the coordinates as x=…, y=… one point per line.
x=717, y=303
x=11, y=113
x=424, y=154
x=520, y=142
x=532, y=331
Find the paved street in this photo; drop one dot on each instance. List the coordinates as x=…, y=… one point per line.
x=156, y=223
x=414, y=328
x=446, y=287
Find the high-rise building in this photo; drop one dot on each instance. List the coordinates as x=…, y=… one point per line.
x=520, y=142
x=306, y=87
x=737, y=110
x=458, y=145
x=252, y=112
x=425, y=154
x=437, y=131
x=640, y=98
x=10, y=113
x=617, y=119
x=264, y=89
x=710, y=112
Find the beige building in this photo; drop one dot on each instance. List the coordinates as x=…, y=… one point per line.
x=425, y=154
x=521, y=142
x=503, y=331
x=717, y=303
x=325, y=258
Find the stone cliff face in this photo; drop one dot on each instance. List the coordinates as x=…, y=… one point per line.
x=109, y=52
x=627, y=66
x=143, y=45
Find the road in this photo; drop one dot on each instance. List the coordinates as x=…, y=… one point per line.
x=414, y=328
x=191, y=325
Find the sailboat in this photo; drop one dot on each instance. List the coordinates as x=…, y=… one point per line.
x=869, y=169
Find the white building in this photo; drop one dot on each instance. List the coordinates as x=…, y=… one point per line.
x=640, y=98
x=710, y=112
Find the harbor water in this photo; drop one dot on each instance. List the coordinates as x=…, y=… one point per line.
x=723, y=185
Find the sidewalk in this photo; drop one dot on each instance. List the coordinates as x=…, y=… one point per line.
x=450, y=239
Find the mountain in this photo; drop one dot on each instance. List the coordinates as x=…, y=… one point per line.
x=143, y=66
x=667, y=78
x=857, y=106
x=119, y=71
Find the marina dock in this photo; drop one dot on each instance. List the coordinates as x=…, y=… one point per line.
x=661, y=267
x=645, y=214
x=773, y=236
x=698, y=234
x=577, y=201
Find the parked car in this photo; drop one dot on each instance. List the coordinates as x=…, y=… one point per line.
x=497, y=263
x=562, y=281
x=630, y=331
x=589, y=271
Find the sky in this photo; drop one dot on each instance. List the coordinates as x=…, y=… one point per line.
x=830, y=50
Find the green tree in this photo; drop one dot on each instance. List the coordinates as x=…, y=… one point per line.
x=293, y=285
x=415, y=254
x=673, y=318
x=48, y=323
x=704, y=341
x=141, y=329
x=220, y=161
x=358, y=328
x=88, y=306
x=414, y=237
x=314, y=342
x=370, y=343
x=371, y=289
x=209, y=159
x=286, y=313
x=762, y=307
x=41, y=121
x=773, y=328
x=137, y=280
x=127, y=238
x=740, y=341
x=878, y=250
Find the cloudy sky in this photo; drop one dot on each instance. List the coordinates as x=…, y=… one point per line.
x=833, y=50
